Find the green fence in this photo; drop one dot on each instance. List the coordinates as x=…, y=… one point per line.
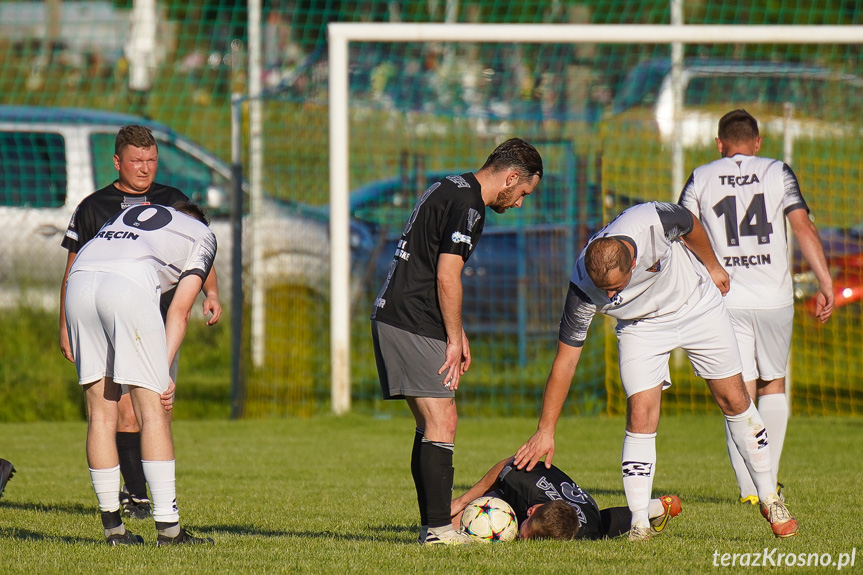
x=418, y=110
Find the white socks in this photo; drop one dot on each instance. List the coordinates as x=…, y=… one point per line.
x=750, y=436
x=106, y=484
x=638, y=462
x=163, y=490
x=656, y=508
x=774, y=413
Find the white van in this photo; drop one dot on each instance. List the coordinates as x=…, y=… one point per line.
x=52, y=158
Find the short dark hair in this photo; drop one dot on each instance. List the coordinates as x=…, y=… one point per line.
x=192, y=209
x=515, y=153
x=737, y=126
x=134, y=135
x=604, y=255
x=554, y=520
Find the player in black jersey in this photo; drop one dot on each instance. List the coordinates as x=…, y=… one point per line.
x=549, y=504
x=421, y=349
x=136, y=161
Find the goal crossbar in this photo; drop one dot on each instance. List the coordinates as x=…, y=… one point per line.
x=341, y=34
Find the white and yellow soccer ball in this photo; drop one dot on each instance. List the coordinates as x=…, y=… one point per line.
x=489, y=519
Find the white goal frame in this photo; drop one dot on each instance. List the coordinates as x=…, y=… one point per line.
x=341, y=34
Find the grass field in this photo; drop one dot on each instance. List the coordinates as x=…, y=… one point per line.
x=334, y=495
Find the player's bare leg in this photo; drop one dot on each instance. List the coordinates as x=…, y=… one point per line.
x=157, y=450
x=638, y=459
x=133, y=497
x=439, y=418
x=101, y=398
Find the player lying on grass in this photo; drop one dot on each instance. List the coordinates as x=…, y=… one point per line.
x=550, y=505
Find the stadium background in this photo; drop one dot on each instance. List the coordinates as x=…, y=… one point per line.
x=418, y=108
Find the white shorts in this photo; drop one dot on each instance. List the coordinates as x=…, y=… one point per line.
x=702, y=328
x=116, y=330
x=764, y=337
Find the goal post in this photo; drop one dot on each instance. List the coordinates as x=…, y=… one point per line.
x=342, y=34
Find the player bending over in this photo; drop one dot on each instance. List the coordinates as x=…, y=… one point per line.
x=550, y=505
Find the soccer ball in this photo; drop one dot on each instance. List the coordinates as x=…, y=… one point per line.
x=489, y=519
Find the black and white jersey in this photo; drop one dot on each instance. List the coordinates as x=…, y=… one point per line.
x=523, y=489
x=172, y=244
x=94, y=210
x=665, y=276
x=742, y=202
x=448, y=219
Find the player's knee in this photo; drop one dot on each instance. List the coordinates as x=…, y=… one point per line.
x=733, y=404
x=771, y=387
x=102, y=419
x=642, y=417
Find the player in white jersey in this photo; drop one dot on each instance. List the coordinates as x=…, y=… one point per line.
x=743, y=201
x=120, y=344
x=645, y=269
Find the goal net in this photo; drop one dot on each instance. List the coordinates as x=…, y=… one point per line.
x=613, y=119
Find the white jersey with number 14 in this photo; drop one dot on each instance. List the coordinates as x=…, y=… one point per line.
x=742, y=202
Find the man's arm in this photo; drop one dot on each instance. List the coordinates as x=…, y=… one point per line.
x=483, y=486
x=449, y=291
x=698, y=241
x=211, y=297
x=176, y=321
x=556, y=389
x=813, y=250
x=177, y=317
x=65, y=347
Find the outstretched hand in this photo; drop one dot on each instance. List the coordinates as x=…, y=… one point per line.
x=540, y=445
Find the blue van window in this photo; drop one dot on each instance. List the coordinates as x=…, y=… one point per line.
x=32, y=169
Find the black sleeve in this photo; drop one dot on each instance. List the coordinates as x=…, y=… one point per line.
x=687, y=188
x=85, y=224
x=576, y=318
x=793, y=199
x=676, y=220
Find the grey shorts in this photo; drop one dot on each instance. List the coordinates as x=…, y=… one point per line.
x=408, y=364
